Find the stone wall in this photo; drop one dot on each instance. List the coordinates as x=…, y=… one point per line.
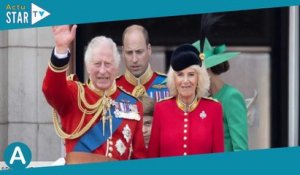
x=25, y=114
x=3, y=90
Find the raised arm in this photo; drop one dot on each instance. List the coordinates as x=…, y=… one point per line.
x=58, y=91
x=63, y=37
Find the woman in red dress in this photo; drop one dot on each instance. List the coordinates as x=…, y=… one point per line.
x=188, y=122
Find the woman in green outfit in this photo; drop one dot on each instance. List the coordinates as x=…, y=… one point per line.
x=234, y=107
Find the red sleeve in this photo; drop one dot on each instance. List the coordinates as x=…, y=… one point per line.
x=218, y=131
x=154, y=144
x=138, y=144
x=60, y=93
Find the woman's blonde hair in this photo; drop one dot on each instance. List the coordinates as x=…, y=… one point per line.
x=202, y=83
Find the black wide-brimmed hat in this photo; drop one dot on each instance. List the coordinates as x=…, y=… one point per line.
x=184, y=56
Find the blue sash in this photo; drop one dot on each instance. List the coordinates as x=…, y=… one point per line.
x=156, y=93
x=94, y=138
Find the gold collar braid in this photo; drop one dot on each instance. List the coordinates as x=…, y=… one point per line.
x=143, y=79
x=101, y=93
x=187, y=108
x=101, y=106
x=139, y=89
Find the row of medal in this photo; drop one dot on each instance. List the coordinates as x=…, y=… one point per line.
x=159, y=95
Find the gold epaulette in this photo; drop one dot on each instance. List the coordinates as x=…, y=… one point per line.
x=167, y=98
x=210, y=98
x=79, y=83
x=119, y=76
x=160, y=73
x=72, y=77
x=126, y=92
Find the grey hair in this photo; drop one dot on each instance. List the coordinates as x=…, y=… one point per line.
x=203, y=82
x=96, y=42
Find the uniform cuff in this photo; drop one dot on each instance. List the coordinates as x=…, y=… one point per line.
x=59, y=62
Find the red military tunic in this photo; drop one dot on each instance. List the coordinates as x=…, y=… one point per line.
x=175, y=134
x=62, y=95
x=153, y=82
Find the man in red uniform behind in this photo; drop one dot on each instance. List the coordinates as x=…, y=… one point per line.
x=139, y=79
x=99, y=121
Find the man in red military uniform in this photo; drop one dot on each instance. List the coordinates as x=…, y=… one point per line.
x=139, y=78
x=99, y=121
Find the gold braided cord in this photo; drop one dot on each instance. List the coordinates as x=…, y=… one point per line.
x=95, y=109
x=59, y=130
x=82, y=99
x=77, y=132
x=139, y=91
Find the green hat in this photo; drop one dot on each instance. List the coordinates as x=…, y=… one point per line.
x=214, y=55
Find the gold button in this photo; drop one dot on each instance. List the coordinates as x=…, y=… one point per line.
x=186, y=120
x=111, y=143
x=185, y=138
x=109, y=154
x=184, y=153
x=184, y=146
x=185, y=131
x=110, y=148
x=185, y=125
x=185, y=114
